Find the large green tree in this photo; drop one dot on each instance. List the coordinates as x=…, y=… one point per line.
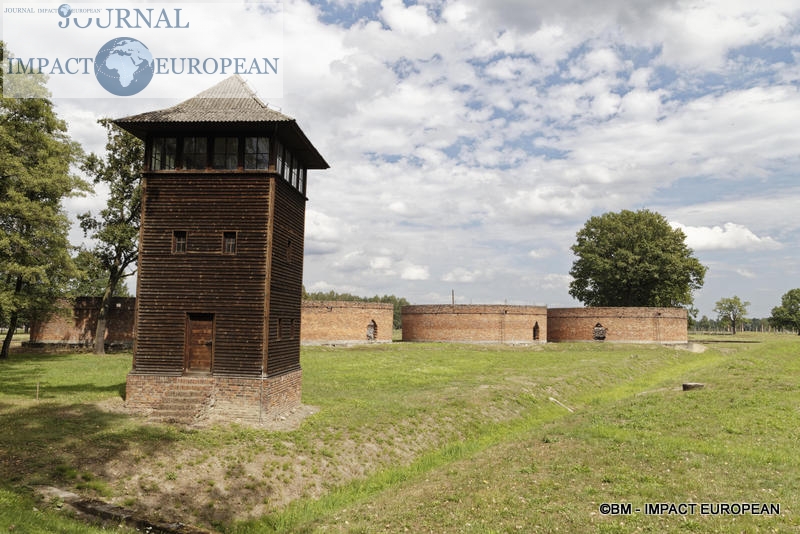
x=787, y=315
x=35, y=176
x=116, y=227
x=633, y=258
x=732, y=311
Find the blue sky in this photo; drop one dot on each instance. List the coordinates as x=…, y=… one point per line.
x=469, y=140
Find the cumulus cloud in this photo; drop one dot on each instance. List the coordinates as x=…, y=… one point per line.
x=324, y=233
x=730, y=236
x=460, y=274
x=541, y=253
x=415, y=272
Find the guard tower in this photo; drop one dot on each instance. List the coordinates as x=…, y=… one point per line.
x=220, y=257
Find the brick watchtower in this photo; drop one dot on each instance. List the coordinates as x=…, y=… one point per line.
x=220, y=257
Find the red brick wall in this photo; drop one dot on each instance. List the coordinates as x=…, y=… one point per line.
x=648, y=325
x=223, y=398
x=342, y=321
x=76, y=321
x=474, y=323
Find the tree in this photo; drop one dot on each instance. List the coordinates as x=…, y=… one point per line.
x=91, y=278
x=35, y=158
x=731, y=310
x=704, y=324
x=633, y=259
x=116, y=228
x=787, y=315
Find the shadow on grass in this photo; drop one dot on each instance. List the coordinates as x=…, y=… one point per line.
x=48, y=392
x=55, y=444
x=77, y=426
x=755, y=341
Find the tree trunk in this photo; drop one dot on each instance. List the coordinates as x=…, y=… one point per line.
x=12, y=327
x=102, y=314
x=12, y=324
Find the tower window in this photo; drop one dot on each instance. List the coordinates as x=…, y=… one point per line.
x=256, y=152
x=279, y=158
x=179, y=239
x=302, y=180
x=229, y=243
x=162, y=153
x=194, y=152
x=226, y=152
x=287, y=167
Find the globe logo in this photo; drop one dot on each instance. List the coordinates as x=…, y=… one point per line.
x=123, y=66
x=64, y=10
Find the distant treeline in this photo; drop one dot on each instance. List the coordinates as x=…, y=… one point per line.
x=706, y=324
x=396, y=302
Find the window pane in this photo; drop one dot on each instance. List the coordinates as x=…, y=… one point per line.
x=256, y=153
x=194, y=152
x=229, y=243
x=287, y=172
x=279, y=158
x=179, y=241
x=226, y=152
x=155, y=153
x=162, y=153
x=170, y=152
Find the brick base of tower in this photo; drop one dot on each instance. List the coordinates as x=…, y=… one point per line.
x=204, y=398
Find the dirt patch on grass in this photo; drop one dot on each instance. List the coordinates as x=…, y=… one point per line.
x=213, y=474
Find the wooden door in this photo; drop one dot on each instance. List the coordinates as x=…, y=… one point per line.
x=199, y=342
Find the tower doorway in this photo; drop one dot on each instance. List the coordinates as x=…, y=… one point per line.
x=199, y=342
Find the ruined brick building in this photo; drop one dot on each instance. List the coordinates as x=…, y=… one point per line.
x=344, y=322
x=538, y=324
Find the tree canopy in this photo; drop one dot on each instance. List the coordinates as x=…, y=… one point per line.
x=91, y=279
x=35, y=176
x=732, y=310
x=787, y=315
x=633, y=258
x=116, y=227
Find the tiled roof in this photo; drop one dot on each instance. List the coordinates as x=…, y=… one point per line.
x=231, y=100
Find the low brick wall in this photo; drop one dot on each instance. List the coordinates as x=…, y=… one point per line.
x=215, y=398
x=74, y=323
x=630, y=324
x=475, y=323
x=331, y=322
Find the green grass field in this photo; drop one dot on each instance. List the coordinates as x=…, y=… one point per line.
x=431, y=438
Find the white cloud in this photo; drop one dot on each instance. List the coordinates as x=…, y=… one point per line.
x=699, y=35
x=729, y=236
x=410, y=20
x=746, y=273
x=324, y=233
x=541, y=253
x=415, y=272
x=460, y=274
